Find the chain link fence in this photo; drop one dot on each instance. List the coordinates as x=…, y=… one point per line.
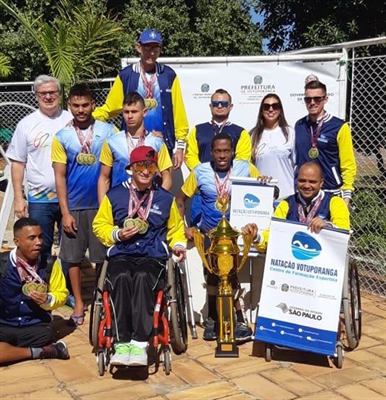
x=368, y=124
x=367, y=118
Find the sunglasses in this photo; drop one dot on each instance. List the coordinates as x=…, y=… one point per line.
x=316, y=100
x=216, y=103
x=267, y=106
x=142, y=165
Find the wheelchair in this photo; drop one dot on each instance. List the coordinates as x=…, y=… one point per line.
x=170, y=330
x=350, y=323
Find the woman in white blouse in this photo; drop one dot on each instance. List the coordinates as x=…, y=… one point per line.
x=273, y=141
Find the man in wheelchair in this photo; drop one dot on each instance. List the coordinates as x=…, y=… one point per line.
x=311, y=205
x=136, y=220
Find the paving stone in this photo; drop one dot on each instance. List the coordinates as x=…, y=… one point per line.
x=130, y=391
x=262, y=388
x=194, y=373
x=292, y=381
x=95, y=385
x=50, y=394
x=367, y=341
x=213, y=391
x=378, y=350
x=378, y=385
x=323, y=396
x=343, y=377
x=71, y=370
x=359, y=392
x=23, y=371
x=35, y=384
x=370, y=360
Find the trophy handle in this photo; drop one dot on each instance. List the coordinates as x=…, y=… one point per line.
x=199, y=238
x=247, y=239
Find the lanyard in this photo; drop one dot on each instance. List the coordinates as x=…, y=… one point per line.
x=130, y=142
x=314, y=138
x=311, y=214
x=148, y=84
x=85, y=139
x=135, y=204
x=218, y=128
x=222, y=187
x=32, y=275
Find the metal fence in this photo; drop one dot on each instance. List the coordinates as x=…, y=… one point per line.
x=367, y=117
x=368, y=124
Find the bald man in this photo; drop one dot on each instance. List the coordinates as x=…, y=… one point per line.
x=310, y=205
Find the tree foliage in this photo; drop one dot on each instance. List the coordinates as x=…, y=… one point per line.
x=294, y=24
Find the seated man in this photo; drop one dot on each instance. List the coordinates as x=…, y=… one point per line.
x=135, y=220
x=29, y=291
x=212, y=180
x=310, y=205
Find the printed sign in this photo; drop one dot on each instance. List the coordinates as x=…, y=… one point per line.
x=302, y=287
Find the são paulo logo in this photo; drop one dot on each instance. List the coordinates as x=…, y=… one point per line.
x=304, y=246
x=205, y=88
x=251, y=201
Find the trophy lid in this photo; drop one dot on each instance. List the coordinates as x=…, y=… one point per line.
x=223, y=229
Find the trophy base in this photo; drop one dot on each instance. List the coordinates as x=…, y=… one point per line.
x=226, y=350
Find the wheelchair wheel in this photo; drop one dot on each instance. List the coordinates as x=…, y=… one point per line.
x=339, y=357
x=352, y=307
x=167, y=361
x=268, y=352
x=97, y=308
x=101, y=363
x=178, y=326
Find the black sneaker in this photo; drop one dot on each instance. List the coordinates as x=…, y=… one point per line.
x=243, y=332
x=210, y=330
x=55, y=350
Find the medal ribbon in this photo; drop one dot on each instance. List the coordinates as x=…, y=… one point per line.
x=85, y=140
x=135, y=204
x=130, y=142
x=218, y=128
x=314, y=138
x=311, y=214
x=148, y=84
x=32, y=276
x=222, y=187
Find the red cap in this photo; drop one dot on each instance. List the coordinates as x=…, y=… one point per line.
x=143, y=153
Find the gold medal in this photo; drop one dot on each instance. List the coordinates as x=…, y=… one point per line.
x=143, y=226
x=313, y=152
x=129, y=223
x=92, y=159
x=41, y=288
x=33, y=286
x=80, y=159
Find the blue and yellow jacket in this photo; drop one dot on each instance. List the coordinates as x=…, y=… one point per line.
x=17, y=309
x=199, y=141
x=175, y=122
x=336, y=153
x=332, y=208
x=165, y=224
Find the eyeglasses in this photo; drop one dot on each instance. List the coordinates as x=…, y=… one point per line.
x=53, y=93
x=151, y=47
x=267, y=106
x=142, y=165
x=316, y=100
x=216, y=103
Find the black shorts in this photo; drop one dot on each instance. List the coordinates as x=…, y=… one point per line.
x=37, y=335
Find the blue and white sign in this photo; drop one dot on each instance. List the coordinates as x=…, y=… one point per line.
x=302, y=287
x=251, y=202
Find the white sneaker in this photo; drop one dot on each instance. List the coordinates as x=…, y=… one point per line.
x=138, y=354
x=121, y=355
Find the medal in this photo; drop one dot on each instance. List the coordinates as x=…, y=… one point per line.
x=222, y=188
x=313, y=152
x=222, y=203
x=151, y=104
x=142, y=226
x=85, y=157
x=29, y=287
x=129, y=223
x=28, y=274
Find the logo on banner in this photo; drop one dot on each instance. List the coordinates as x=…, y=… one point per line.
x=251, y=201
x=283, y=307
x=205, y=88
x=258, y=80
x=304, y=246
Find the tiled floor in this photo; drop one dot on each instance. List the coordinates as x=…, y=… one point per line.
x=199, y=375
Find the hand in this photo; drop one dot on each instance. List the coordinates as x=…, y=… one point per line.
x=178, y=158
x=128, y=233
x=157, y=134
x=188, y=233
x=250, y=229
x=21, y=208
x=38, y=298
x=69, y=225
x=264, y=179
x=317, y=224
x=180, y=253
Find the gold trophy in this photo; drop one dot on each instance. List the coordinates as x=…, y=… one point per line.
x=222, y=259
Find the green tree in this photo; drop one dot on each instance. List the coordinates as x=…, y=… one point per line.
x=193, y=28
x=78, y=40
x=5, y=65
x=294, y=24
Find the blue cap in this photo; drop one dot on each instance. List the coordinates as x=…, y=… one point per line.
x=150, y=36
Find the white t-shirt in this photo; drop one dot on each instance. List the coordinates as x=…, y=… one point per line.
x=31, y=144
x=275, y=157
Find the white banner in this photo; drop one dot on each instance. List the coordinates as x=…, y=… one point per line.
x=302, y=287
x=251, y=202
